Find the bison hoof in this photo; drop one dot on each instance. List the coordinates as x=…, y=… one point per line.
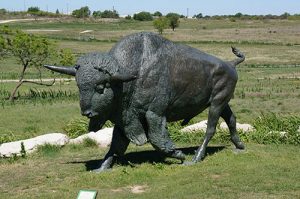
x=178, y=155
x=240, y=145
x=101, y=170
x=237, y=142
x=188, y=163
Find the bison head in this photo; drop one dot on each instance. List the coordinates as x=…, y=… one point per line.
x=98, y=77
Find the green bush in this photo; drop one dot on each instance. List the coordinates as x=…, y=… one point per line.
x=106, y=14
x=82, y=12
x=7, y=137
x=270, y=128
x=143, y=16
x=160, y=24
x=128, y=17
x=79, y=126
x=76, y=127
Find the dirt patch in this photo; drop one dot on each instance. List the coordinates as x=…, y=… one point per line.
x=14, y=20
x=219, y=176
x=43, y=30
x=117, y=190
x=136, y=189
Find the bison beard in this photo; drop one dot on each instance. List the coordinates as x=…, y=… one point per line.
x=145, y=81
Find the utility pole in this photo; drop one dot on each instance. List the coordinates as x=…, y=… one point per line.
x=67, y=8
x=24, y=6
x=187, y=13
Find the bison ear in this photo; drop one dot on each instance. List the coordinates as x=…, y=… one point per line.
x=122, y=78
x=62, y=69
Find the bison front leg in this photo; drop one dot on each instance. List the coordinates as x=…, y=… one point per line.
x=159, y=136
x=118, y=147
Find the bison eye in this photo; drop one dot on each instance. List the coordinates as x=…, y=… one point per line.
x=100, y=88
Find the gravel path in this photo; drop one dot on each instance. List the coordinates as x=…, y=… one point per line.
x=18, y=20
x=37, y=80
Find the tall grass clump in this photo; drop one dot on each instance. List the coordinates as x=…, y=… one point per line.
x=76, y=127
x=48, y=150
x=270, y=128
x=79, y=126
x=276, y=129
x=88, y=142
x=7, y=137
x=181, y=137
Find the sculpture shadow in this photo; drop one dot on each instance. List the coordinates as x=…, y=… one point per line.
x=149, y=156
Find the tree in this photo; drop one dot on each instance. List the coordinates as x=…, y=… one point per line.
x=2, y=47
x=143, y=16
x=97, y=13
x=30, y=51
x=198, y=16
x=3, y=11
x=82, y=12
x=128, y=17
x=109, y=14
x=160, y=24
x=285, y=15
x=173, y=20
x=157, y=14
x=238, y=15
x=5, y=31
x=57, y=12
x=33, y=10
x=106, y=14
x=66, y=57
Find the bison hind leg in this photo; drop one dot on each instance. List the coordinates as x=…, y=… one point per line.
x=230, y=120
x=185, y=121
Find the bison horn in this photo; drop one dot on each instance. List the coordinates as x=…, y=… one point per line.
x=122, y=78
x=62, y=69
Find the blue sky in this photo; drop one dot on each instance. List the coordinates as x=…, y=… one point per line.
x=124, y=7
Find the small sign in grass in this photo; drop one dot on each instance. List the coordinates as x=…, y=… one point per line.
x=87, y=194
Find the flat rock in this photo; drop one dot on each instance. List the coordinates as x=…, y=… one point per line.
x=14, y=148
x=103, y=137
x=280, y=133
x=200, y=126
x=239, y=127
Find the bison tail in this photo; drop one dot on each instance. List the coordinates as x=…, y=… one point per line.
x=239, y=54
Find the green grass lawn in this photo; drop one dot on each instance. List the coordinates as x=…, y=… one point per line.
x=262, y=171
x=269, y=81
